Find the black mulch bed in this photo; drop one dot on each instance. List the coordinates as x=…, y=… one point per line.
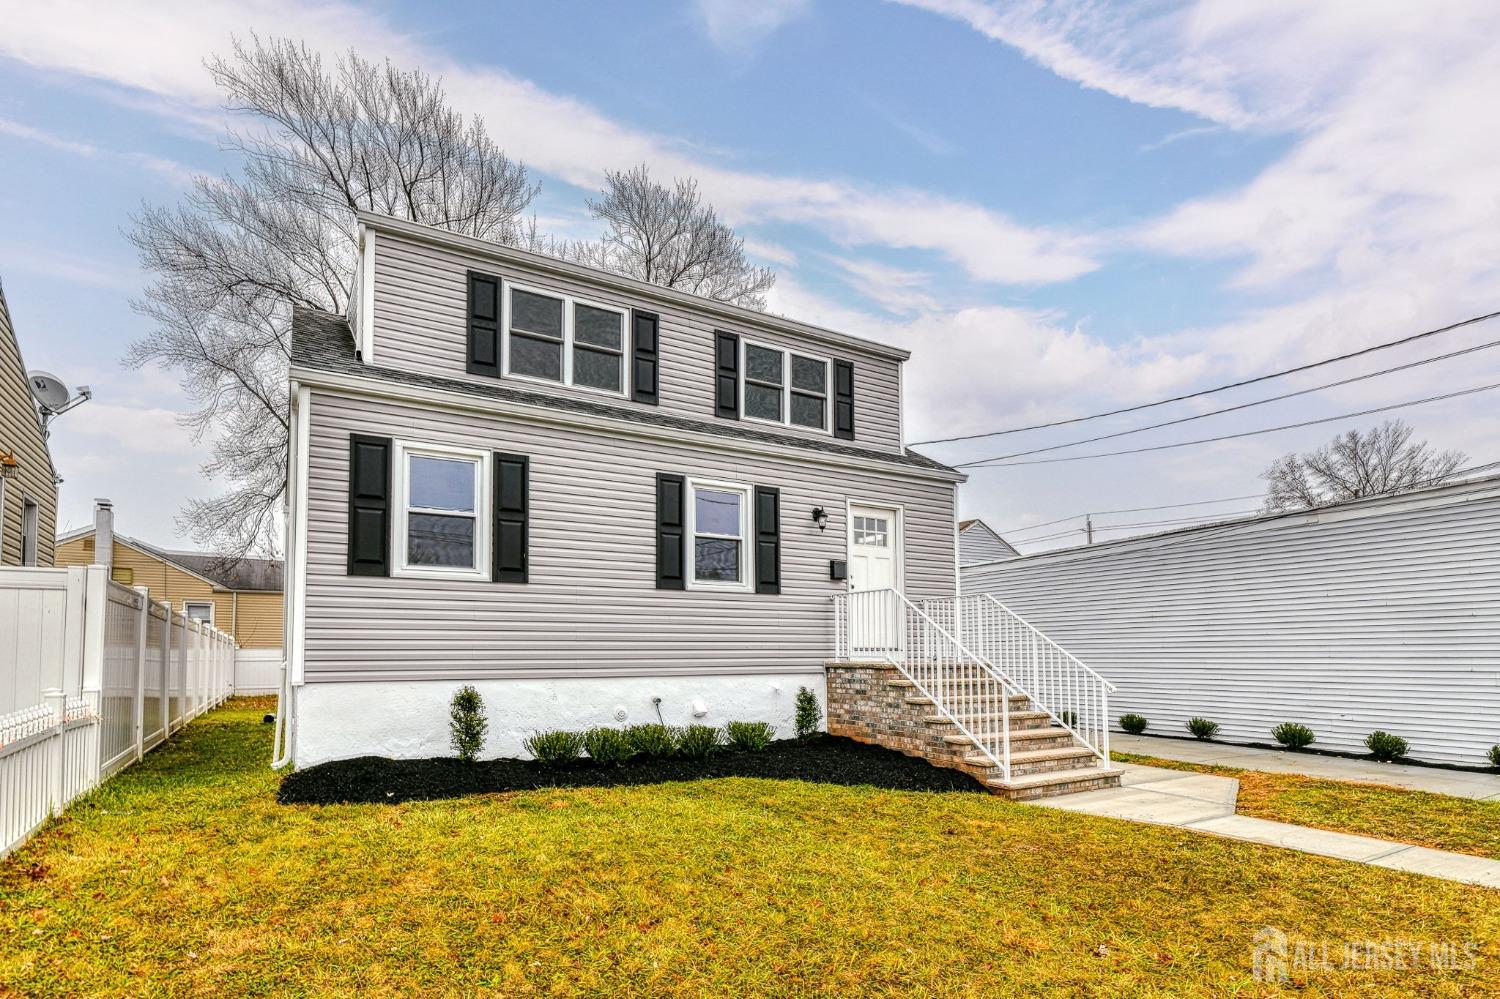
x=824, y=760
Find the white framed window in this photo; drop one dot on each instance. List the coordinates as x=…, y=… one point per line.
x=199, y=611
x=783, y=386
x=872, y=532
x=718, y=526
x=441, y=511
x=550, y=337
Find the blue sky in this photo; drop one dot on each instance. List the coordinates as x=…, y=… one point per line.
x=1058, y=208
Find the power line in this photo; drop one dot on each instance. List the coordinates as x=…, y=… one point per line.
x=998, y=463
x=1247, y=405
x=1132, y=509
x=1143, y=523
x=1221, y=388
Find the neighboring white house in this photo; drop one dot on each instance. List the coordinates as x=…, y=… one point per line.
x=596, y=499
x=978, y=542
x=1381, y=613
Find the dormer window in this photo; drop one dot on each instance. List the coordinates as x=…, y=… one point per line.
x=785, y=387
x=557, y=338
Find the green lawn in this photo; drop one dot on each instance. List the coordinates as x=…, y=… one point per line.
x=183, y=876
x=1440, y=821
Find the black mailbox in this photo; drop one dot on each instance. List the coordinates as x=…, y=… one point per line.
x=838, y=569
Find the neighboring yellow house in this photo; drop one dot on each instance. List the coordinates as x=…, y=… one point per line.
x=243, y=598
x=28, y=482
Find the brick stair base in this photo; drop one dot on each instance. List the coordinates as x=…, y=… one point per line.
x=872, y=702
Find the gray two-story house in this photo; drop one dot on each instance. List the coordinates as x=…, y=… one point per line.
x=597, y=500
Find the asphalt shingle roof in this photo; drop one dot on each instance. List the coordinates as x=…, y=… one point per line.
x=323, y=342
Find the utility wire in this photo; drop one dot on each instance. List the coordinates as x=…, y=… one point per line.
x=1221, y=388
x=1132, y=509
x=1143, y=523
x=1247, y=405
x=998, y=463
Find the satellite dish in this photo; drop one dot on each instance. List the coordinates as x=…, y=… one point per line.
x=48, y=390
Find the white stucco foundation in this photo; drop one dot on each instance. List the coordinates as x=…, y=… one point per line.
x=409, y=720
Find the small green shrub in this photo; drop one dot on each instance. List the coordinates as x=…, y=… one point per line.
x=467, y=723
x=554, y=747
x=1385, y=747
x=1202, y=728
x=1134, y=724
x=1068, y=718
x=654, y=741
x=1293, y=735
x=608, y=746
x=697, y=741
x=750, y=736
x=1495, y=757
x=808, y=713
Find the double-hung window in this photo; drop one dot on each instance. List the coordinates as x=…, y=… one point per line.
x=441, y=515
x=785, y=387
x=556, y=338
x=718, y=528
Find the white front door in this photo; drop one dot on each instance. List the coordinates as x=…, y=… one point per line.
x=875, y=564
x=874, y=544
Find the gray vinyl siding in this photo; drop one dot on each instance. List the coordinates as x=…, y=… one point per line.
x=1384, y=617
x=421, y=325
x=591, y=607
x=21, y=435
x=979, y=544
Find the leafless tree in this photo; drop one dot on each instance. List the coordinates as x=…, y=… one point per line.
x=1355, y=464
x=232, y=260
x=668, y=236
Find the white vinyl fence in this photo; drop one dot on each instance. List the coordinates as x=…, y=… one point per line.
x=93, y=674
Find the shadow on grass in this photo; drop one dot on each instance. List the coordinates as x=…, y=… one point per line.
x=823, y=760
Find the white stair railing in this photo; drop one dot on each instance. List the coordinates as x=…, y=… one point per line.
x=884, y=626
x=1054, y=679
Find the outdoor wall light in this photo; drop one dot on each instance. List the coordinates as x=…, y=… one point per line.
x=9, y=466
x=820, y=517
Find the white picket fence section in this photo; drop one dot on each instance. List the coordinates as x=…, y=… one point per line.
x=93, y=675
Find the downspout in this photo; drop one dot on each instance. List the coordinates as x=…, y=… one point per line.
x=295, y=577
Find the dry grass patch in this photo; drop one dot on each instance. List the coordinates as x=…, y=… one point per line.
x=1439, y=821
x=183, y=876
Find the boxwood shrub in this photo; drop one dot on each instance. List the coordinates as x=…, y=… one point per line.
x=1133, y=723
x=1293, y=735
x=1385, y=747
x=608, y=746
x=697, y=741
x=1202, y=728
x=653, y=741
x=555, y=746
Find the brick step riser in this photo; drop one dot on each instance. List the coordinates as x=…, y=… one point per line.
x=1071, y=787
x=991, y=724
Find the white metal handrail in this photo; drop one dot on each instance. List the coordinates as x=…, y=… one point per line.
x=1055, y=680
x=884, y=626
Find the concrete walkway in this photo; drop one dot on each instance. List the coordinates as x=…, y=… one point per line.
x=1206, y=803
x=1457, y=783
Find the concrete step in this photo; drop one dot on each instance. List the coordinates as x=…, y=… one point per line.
x=1024, y=735
x=1082, y=753
x=1018, y=719
x=1055, y=782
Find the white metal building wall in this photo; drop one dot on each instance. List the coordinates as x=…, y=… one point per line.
x=1381, y=614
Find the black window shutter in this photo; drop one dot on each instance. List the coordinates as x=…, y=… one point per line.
x=645, y=371
x=727, y=375
x=484, y=325
x=512, y=509
x=369, y=505
x=671, y=528
x=843, y=400
x=767, y=540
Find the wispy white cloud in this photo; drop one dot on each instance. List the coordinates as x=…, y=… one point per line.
x=169, y=169
x=29, y=258
x=893, y=288
x=105, y=44
x=740, y=26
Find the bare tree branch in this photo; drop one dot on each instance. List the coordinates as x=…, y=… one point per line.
x=668, y=236
x=234, y=258
x=1355, y=464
